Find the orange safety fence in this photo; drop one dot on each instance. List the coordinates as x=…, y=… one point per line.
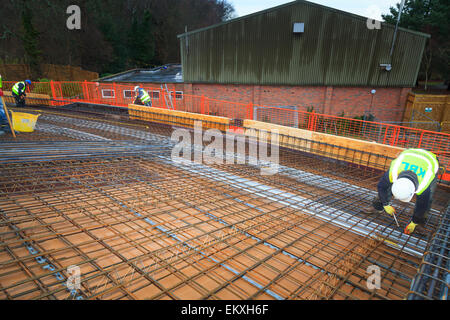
x=64, y=92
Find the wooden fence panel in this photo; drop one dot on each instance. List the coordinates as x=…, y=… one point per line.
x=425, y=108
x=19, y=72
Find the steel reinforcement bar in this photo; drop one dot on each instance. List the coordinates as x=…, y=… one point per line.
x=142, y=227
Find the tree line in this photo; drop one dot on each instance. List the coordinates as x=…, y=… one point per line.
x=432, y=17
x=115, y=35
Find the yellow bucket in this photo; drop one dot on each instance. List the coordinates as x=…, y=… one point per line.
x=24, y=122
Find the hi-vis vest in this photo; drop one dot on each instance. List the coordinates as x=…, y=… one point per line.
x=422, y=162
x=145, y=97
x=15, y=88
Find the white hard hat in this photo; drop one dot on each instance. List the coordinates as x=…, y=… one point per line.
x=403, y=189
x=136, y=88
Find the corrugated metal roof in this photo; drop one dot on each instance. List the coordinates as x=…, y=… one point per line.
x=169, y=73
x=336, y=48
x=355, y=16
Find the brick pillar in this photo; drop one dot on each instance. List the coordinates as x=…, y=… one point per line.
x=327, y=106
x=402, y=102
x=403, y=96
x=256, y=95
x=187, y=89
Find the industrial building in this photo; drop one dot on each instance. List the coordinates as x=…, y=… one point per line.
x=94, y=205
x=301, y=55
x=306, y=55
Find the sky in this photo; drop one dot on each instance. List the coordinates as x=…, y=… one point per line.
x=367, y=8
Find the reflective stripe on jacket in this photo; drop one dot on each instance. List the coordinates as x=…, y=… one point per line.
x=16, y=88
x=145, y=97
x=422, y=162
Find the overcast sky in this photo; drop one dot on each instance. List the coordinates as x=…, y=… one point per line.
x=367, y=8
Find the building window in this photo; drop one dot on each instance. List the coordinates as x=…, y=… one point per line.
x=178, y=95
x=155, y=95
x=128, y=94
x=108, y=93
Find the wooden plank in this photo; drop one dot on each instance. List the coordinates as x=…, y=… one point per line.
x=35, y=98
x=363, y=152
x=175, y=117
x=355, y=151
x=288, y=137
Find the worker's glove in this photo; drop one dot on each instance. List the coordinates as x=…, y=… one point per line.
x=389, y=210
x=410, y=228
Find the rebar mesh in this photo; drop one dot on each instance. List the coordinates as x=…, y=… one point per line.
x=141, y=227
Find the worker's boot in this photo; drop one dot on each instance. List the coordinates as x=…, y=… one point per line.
x=420, y=230
x=375, y=208
x=370, y=210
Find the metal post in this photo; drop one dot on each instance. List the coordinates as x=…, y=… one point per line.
x=402, y=4
x=52, y=86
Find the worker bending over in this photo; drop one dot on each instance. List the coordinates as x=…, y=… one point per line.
x=412, y=172
x=142, y=97
x=18, y=92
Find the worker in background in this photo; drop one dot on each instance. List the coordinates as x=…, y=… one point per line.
x=142, y=97
x=414, y=171
x=18, y=92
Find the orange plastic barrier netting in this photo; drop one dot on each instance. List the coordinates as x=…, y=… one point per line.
x=63, y=92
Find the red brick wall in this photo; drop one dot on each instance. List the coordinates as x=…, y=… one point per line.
x=388, y=103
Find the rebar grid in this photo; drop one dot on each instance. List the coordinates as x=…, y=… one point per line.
x=140, y=227
x=116, y=214
x=432, y=281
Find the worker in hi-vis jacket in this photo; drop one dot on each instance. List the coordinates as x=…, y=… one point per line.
x=18, y=92
x=142, y=97
x=414, y=171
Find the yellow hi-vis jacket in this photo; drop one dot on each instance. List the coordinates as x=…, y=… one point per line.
x=19, y=88
x=422, y=162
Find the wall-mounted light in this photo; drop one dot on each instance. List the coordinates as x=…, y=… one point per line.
x=299, y=27
x=386, y=66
